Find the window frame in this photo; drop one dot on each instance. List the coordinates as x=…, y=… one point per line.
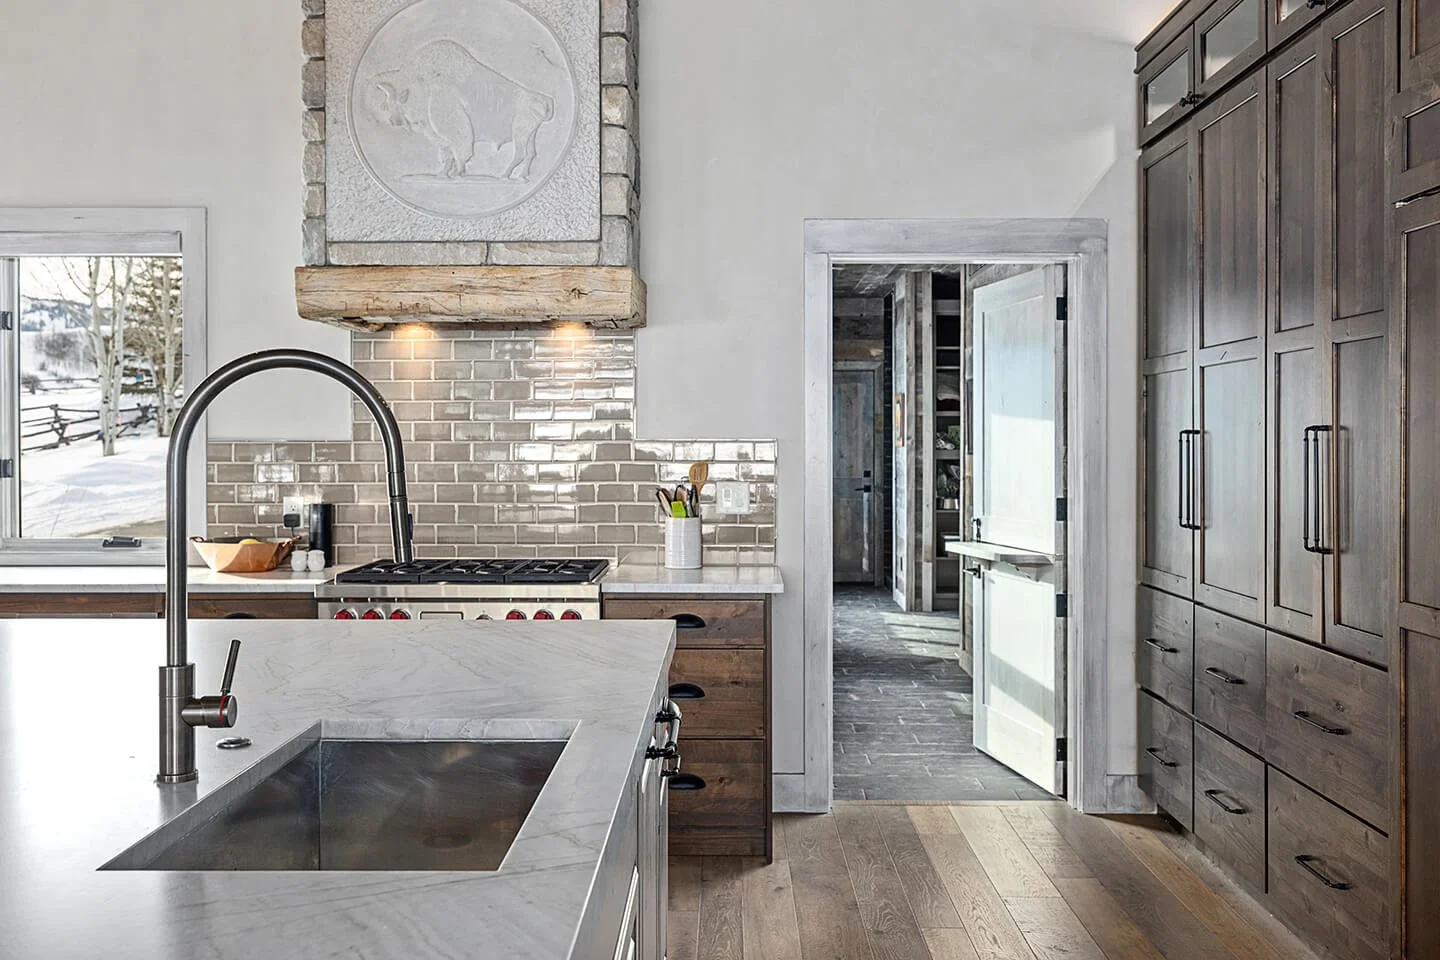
x=154, y=231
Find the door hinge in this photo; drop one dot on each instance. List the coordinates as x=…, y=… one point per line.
x=1062, y=605
x=7, y=469
x=7, y=320
x=1062, y=309
x=1062, y=750
x=1062, y=510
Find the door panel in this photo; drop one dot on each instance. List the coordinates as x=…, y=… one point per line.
x=1167, y=546
x=1420, y=301
x=1232, y=218
x=1231, y=476
x=1355, y=60
x=1296, y=150
x=1419, y=41
x=1293, y=583
x=856, y=526
x=1016, y=332
x=1169, y=249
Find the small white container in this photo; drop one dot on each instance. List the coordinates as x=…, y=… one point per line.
x=316, y=560
x=682, y=543
x=298, y=560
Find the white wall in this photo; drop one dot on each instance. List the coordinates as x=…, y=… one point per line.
x=178, y=103
x=756, y=115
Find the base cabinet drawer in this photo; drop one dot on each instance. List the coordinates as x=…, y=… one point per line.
x=698, y=623
x=1328, y=872
x=1164, y=657
x=1327, y=723
x=1230, y=805
x=1230, y=677
x=718, y=804
x=721, y=693
x=1167, y=758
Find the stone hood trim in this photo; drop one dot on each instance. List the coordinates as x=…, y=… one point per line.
x=374, y=297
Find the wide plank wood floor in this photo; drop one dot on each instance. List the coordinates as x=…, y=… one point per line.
x=977, y=881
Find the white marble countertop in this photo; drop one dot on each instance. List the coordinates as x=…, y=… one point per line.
x=77, y=785
x=122, y=579
x=644, y=578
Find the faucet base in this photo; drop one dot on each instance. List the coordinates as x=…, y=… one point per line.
x=177, y=737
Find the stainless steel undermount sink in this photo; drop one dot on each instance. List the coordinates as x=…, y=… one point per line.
x=360, y=804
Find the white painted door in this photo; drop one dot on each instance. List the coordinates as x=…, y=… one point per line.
x=1019, y=470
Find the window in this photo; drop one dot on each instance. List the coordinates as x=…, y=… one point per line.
x=102, y=329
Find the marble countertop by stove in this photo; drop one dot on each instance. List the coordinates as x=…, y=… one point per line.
x=151, y=579
x=718, y=581
x=78, y=756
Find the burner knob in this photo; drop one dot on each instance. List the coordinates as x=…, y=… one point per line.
x=544, y=615
x=514, y=615
x=570, y=615
x=344, y=615
x=400, y=615
x=484, y=616
x=372, y=614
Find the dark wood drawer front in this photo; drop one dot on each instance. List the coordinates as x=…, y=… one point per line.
x=1230, y=677
x=721, y=693
x=1164, y=657
x=1326, y=724
x=699, y=623
x=727, y=814
x=276, y=606
x=1166, y=758
x=1327, y=872
x=1230, y=805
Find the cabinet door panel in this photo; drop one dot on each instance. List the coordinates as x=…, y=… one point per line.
x=1295, y=85
x=1419, y=301
x=1232, y=217
x=1355, y=63
x=1169, y=245
x=1415, y=121
x=1419, y=41
x=1293, y=594
x=1422, y=796
x=1229, y=561
x=1167, y=547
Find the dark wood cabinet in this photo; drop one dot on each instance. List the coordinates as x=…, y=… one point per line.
x=1167, y=764
x=1419, y=42
x=1230, y=806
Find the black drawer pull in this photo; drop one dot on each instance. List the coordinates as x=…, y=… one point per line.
x=687, y=691
x=1159, y=758
x=1160, y=646
x=1214, y=797
x=1224, y=677
x=688, y=621
x=1305, y=860
x=687, y=781
x=1304, y=717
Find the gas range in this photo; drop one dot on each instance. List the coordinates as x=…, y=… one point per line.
x=465, y=590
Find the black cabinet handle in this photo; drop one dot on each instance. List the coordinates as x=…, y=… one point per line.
x=688, y=621
x=1190, y=99
x=1187, y=479
x=1160, y=646
x=1312, y=4
x=687, y=691
x=1312, y=504
x=1159, y=757
x=1306, y=861
x=1214, y=797
x=239, y=616
x=1224, y=677
x=1304, y=716
x=686, y=781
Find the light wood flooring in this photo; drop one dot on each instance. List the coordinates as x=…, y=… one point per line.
x=975, y=881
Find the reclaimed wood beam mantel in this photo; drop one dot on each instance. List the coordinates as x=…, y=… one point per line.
x=375, y=297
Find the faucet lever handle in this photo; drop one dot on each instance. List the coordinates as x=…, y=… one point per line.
x=230, y=668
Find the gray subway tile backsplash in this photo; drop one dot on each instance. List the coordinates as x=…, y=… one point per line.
x=519, y=444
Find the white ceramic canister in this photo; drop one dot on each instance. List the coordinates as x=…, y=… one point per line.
x=682, y=543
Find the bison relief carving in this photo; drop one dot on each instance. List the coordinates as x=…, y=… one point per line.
x=462, y=108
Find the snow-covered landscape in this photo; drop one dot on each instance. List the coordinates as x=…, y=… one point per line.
x=92, y=437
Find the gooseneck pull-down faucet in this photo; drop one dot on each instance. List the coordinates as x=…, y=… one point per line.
x=180, y=710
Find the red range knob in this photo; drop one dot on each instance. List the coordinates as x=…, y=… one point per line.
x=514, y=615
x=544, y=615
x=571, y=615
x=372, y=614
x=344, y=615
x=400, y=615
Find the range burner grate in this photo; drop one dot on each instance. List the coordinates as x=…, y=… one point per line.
x=476, y=571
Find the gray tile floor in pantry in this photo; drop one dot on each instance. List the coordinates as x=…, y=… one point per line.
x=903, y=709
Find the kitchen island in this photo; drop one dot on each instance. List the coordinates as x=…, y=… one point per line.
x=78, y=758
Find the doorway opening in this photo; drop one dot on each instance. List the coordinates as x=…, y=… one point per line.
x=948, y=433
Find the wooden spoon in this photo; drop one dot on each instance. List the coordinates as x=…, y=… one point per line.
x=699, y=474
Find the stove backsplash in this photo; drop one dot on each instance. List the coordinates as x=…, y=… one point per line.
x=518, y=444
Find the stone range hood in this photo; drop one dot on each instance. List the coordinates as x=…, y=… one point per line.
x=371, y=298
x=470, y=162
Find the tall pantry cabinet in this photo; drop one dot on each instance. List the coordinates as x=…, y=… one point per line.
x=1282, y=295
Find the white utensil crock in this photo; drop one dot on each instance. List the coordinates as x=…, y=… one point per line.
x=682, y=543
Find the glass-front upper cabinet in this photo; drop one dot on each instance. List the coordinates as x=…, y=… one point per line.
x=1288, y=17
x=1167, y=88
x=1229, y=37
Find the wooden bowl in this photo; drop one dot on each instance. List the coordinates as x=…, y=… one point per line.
x=229, y=555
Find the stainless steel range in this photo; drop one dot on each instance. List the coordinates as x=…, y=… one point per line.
x=465, y=590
